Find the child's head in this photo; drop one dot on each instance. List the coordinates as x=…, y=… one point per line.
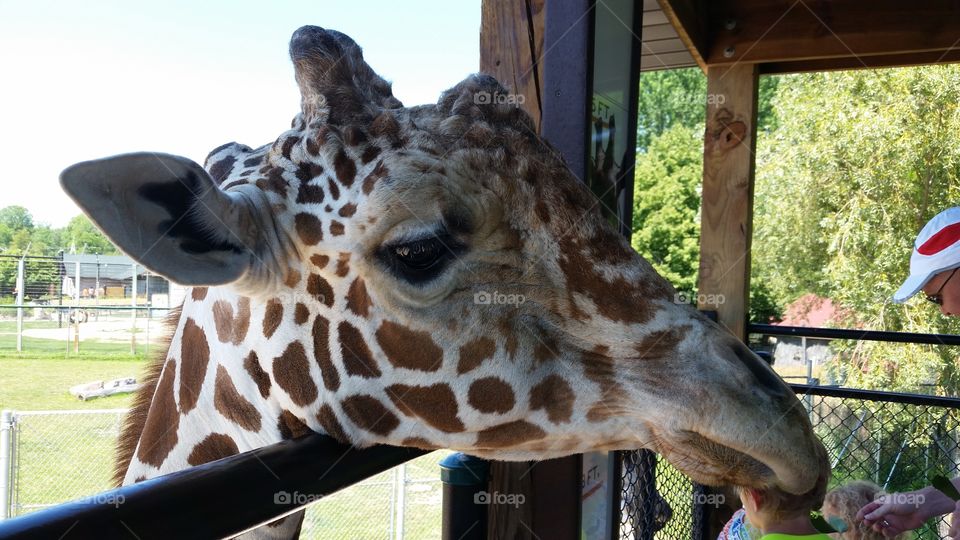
x=767, y=507
x=845, y=501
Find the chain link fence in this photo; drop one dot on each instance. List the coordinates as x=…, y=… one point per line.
x=51, y=457
x=57, y=306
x=898, y=442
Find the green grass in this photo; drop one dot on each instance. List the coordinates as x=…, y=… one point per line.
x=63, y=457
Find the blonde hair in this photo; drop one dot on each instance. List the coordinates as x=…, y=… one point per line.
x=845, y=501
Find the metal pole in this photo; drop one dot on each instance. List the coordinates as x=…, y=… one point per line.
x=6, y=465
x=146, y=292
x=133, y=312
x=401, y=486
x=21, y=283
x=76, y=303
x=465, y=499
x=61, y=274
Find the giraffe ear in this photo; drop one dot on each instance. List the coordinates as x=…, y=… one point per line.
x=334, y=78
x=168, y=214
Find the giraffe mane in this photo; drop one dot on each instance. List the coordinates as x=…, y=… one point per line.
x=136, y=417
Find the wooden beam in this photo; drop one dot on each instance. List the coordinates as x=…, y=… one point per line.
x=511, y=47
x=727, y=209
x=863, y=62
x=766, y=31
x=688, y=18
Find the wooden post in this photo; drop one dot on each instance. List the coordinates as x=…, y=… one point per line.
x=726, y=224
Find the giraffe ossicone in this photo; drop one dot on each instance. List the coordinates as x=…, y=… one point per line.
x=344, y=279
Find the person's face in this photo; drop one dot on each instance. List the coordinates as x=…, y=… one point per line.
x=949, y=286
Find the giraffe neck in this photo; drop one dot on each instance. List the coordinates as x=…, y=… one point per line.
x=214, y=396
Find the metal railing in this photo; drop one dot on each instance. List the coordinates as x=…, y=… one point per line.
x=215, y=500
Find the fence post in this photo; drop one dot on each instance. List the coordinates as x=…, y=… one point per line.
x=76, y=318
x=133, y=304
x=465, y=499
x=401, y=487
x=21, y=283
x=6, y=464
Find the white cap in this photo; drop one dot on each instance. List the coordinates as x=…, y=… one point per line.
x=936, y=249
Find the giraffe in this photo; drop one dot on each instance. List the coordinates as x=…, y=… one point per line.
x=428, y=276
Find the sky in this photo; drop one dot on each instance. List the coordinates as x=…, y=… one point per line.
x=83, y=80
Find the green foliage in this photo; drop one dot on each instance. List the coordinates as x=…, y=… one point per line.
x=859, y=162
x=81, y=235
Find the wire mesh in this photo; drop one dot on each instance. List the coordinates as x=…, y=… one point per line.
x=65, y=455
x=898, y=446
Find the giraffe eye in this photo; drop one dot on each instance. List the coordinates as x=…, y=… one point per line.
x=423, y=259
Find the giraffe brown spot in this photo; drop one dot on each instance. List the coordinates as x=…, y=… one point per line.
x=319, y=261
x=272, y=317
x=369, y=414
x=491, y=395
x=194, y=357
x=336, y=228
x=345, y=168
x=223, y=320
x=375, y=175
x=600, y=369
x=307, y=171
x=300, y=313
x=357, y=359
x=242, y=322
x=546, y=349
x=312, y=146
x=292, y=278
x=343, y=265
x=358, y=301
x=348, y=210
x=139, y=479
x=236, y=183
x=385, y=125
x=253, y=161
x=436, y=405
x=353, y=136
x=232, y=405
x=309, y=193
x=370, y=154
x=334, y=189
x=287, y=146
x=555, y=396
x=331, y=426
x=309, y=228
x=616, y=299
x=221, y=169
x=320, y=288
x=660, y=343
x=273, y=182
x=290, y=426
x=474, y=352
x=292, y=373
x=159, y=434
x=215, y=446
x=252, y=364
x=419, y=442
x=410, y=349
x=509, y=434
x=198, y=293
x=321, y=353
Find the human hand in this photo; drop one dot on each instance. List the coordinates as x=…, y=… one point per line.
x=954, y=531
x=894, y=513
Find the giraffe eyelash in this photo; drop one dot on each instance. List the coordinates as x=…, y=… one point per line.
x=422, y=259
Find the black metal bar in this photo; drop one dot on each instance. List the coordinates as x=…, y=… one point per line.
x=465, y=499
x=876, y=395
x=216, y=500
x=864, y=335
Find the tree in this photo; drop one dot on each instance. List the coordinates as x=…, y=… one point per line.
x=16, y=218
x=81, y=235
x=859, y=162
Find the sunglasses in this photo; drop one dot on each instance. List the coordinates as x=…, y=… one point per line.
x=936, y=298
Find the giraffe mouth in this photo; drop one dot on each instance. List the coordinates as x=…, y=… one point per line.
x=712, y=463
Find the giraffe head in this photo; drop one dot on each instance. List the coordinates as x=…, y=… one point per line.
x=434, y=276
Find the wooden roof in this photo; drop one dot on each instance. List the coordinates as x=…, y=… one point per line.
x=783, y=36
x=662, y=47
